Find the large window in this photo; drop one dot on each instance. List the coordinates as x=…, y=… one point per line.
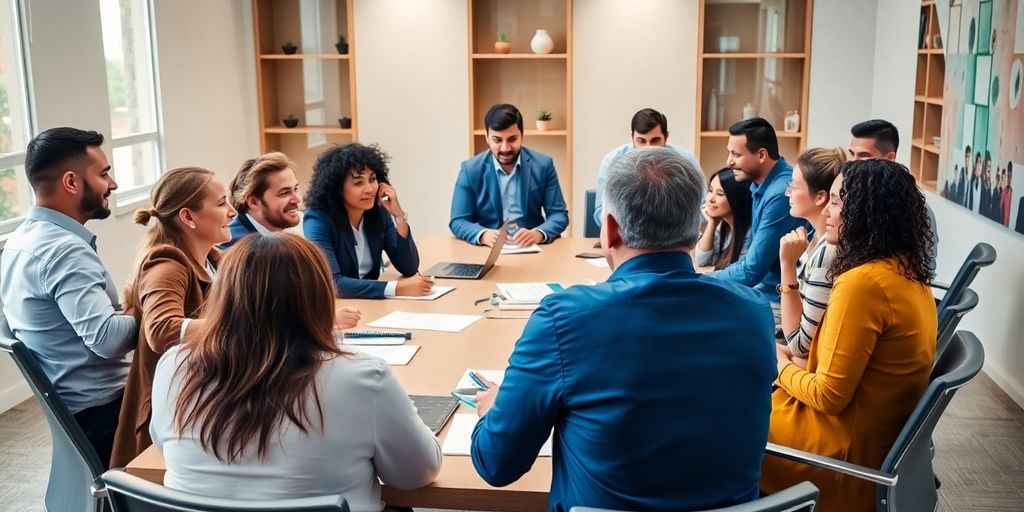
x=132, y=91
x=15, y=128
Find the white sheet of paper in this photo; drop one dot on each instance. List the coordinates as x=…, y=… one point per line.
x=394, y=355
x=496, y=376
x=598, y=262
x=525, y=293
x=424, y=321
x=460, y=437
x=383, y=340
x=435, y=292
x=515, y=249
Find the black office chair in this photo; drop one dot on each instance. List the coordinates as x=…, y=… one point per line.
x=590, y=227
x=981, y=256
x=949, y=319
x=906, y=482
x=129, y=493
x=801, y=497
x=75, y=467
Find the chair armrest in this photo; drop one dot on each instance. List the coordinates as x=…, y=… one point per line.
x=839, y=466
x=98, y=489
x=940, y=285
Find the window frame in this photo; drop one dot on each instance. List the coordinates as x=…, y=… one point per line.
x=23, y=67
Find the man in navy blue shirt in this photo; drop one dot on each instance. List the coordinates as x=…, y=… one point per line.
x=656, y=382
x=754, y=157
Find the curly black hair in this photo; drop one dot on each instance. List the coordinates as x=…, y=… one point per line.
x=331, y=169
x=883, y=216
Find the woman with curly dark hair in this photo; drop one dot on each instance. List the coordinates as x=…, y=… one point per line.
x=353, y=214
x=871, y=359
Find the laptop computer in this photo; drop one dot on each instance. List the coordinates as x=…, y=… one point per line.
x=448, y=270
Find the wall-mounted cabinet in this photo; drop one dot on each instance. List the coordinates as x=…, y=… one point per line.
x=753, y=58
x=530, y=81
x=305, y=77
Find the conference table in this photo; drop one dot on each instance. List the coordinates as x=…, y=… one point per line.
x=443, y=358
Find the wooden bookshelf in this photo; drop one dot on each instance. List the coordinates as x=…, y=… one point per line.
x=928, y=96
x=527, y=80
x=754, y=52
x=316, y=84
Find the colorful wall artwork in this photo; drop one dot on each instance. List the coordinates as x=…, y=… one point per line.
x=981, y=161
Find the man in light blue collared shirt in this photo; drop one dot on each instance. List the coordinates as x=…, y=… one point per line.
x=58, y=298
x=648, y=128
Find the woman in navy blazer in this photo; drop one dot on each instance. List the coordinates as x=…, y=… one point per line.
x=353, y=214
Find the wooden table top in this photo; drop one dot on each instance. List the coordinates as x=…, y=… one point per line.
x=444, y=357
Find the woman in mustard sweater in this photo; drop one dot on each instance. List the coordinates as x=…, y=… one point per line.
x=871, y=358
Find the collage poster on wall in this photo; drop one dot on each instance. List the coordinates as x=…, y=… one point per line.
x=983, y=119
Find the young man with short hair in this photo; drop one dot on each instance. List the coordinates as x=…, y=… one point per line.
x=507, y=183
x=265, y=192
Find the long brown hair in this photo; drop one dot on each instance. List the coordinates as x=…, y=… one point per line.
x=269, y=326
x=177, y=189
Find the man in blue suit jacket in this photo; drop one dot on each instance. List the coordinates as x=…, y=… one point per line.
x=507, y=183
x=657, y=382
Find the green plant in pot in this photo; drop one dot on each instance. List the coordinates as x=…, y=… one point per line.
x=345, y=122
x=289, y=48
x=543, y=119
x=342, y=45
x=290, y=121
x=502, y=45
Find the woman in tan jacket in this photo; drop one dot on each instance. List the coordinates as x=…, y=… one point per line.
x=178, y=262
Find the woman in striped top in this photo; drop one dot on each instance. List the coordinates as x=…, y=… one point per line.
x=804, y=259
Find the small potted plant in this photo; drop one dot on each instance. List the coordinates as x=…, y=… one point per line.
x=289, y=48
x=342, y=45
x=502, y=45
x=543, y=119
x=290, y=121
x=345, y=122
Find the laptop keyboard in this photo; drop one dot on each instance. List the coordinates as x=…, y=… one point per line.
x=462, y=269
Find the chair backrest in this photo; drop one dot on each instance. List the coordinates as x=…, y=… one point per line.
x=590, y=227
x=129, y=493
x=910, y=457
x=949, y=319
x=75, y=464
x=802, y=497
x=982, y=255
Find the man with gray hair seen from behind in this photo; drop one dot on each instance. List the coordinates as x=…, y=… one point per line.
x=657, y=382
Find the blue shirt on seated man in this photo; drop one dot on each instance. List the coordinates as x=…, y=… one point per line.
x=754, y=157
x=657, y=382
x=58, y=298
x=265, y=193
x=507, y=183
x=354, y=215
x=647, y=128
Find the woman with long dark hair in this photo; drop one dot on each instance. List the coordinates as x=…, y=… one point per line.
x=354, y=215
x=728, y=215
x=871, y=360
x=262, y=404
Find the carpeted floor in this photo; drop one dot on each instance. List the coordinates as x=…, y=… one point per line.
x=979, y=448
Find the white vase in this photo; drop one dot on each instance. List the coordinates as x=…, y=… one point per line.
x=541, y=42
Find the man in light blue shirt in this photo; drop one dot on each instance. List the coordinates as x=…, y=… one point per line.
x=58, y=298
x=649, y=128
x=754, y=156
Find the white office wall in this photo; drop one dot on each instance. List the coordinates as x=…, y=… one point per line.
x=412, y=90
x=206, y=70
x=628, y=55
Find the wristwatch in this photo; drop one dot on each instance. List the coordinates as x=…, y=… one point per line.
x=783, y=288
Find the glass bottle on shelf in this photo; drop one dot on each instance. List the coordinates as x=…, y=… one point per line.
x=712, y=112
x=748, y=111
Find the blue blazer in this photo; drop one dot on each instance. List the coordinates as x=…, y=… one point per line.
x=240, y=228
x=336, y=240
x=657, y=383
x=476, y=203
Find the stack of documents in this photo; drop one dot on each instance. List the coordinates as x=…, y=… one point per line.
x=515, y=249
x=526, y=293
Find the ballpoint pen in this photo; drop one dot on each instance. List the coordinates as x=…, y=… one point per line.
x=371, y=334
x=464, y=400
x=476, y=380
